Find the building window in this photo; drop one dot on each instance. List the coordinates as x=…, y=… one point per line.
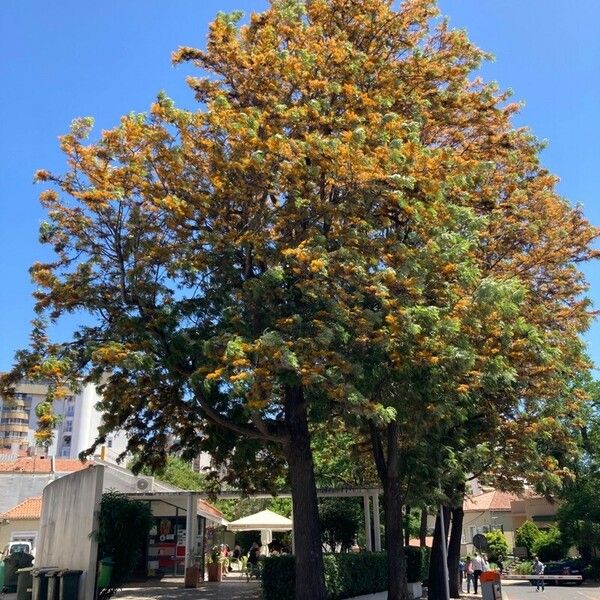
x=68, y=426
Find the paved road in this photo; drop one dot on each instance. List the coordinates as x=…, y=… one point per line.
x=513, y=590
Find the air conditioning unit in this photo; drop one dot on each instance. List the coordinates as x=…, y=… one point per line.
x=144, y=484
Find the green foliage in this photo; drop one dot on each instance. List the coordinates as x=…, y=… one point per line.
x=340, y=520
x=346, y=575
x=235, y=509
x=417, y=563
x=123, y=528
x=179, y=473
x=579, y=515
x=592, y=571
x=550, y=545
x=526, y=536
x=279, y=578
x=497, y=545
x=524, y=568
x=413, y=522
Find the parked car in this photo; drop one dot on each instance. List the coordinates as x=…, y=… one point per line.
x=567, y=566
x=14, y=547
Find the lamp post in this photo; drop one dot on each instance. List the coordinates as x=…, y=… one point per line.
x=444, y=554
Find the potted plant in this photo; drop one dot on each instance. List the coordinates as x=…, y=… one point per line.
x=214, y=564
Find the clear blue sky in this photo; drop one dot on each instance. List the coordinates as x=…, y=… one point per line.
x=71, y=58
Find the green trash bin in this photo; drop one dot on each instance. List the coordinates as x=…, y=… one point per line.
x=53, y=585
x=1, y=575
x=25, y=583
x=39, y=587
x=69, y=584
x=105, y=572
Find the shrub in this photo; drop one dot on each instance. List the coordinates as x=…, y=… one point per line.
x=417, y=563
x=363, y=573
x=279, y=577
x=123, y=528
x=550, y=545
x=496, y=545
x=524, y=568
x=346, y=575
x=526, y=536
x=340, y=519
x=592, y=571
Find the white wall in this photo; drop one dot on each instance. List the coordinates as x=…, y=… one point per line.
x=70, y=507
x=16, y=487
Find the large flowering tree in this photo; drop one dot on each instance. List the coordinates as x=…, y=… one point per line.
x=329, y=222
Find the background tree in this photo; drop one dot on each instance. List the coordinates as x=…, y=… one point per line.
x=526, y=536
x=496, y=545
x=550, y=545
x=340, y=520
x=579, y=513
x=348, y=207
x=123, y=528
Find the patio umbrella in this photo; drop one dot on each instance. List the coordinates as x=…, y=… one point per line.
x=265, y=521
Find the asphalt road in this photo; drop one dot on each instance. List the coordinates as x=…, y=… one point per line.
x=521, y=591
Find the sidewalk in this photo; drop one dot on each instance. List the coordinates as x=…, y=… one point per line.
x=172, y=589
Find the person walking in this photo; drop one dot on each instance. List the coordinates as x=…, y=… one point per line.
x=478, y=569
x=469, y=574
x=461, y=573
x=500, y=563
x=538, y=569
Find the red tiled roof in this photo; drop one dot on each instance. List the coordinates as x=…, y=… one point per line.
x=28, y=509
x=42, y=464
x=11, y=452
x=494, y=500
x=208, y=508
x=417, y=542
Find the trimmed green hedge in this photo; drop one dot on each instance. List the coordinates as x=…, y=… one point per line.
x=346, y=575
x=417, y=564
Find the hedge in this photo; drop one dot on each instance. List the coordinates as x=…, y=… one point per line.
x=346, y=575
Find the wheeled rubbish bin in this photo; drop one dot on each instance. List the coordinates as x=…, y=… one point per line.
x=24, y=583
x=491, y=588
x=53, y=585
x=39, y=585
x=69, y=584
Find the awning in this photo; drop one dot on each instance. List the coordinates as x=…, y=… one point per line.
x=265, y=519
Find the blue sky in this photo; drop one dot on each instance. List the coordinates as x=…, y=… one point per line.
x=71, y=58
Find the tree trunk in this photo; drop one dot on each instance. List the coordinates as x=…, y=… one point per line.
x=454, y=551
x=388, y=469
x=396, y=557
x=437, y=587
x=310, y=579
x=423, y=528
x=407, y=526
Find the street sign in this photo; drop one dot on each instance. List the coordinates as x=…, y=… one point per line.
x=480, y=541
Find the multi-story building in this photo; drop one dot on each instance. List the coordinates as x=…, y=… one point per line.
x=79, y=420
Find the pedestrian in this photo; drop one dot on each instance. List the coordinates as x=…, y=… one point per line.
x=461, y=572
x=254, y=554
x=538, y=569
x=469, y=573
x=236, y=555
x=478, y=569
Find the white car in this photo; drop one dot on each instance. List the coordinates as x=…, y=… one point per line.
x=14, y=547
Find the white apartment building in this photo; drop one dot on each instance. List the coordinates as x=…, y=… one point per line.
x=77, y=428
